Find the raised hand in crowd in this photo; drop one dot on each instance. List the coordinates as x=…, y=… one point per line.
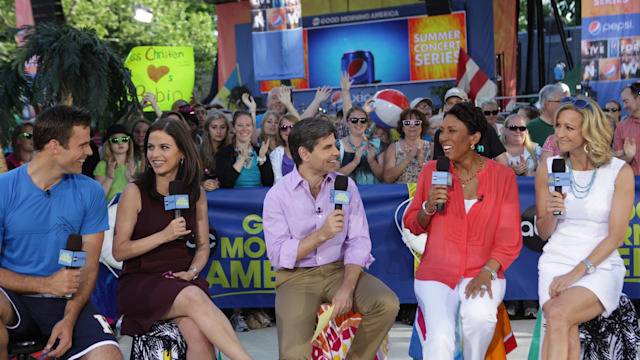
x=149, y=99
x=285, y=98
x=369, y=106
x=322, y=94
x=345, y=86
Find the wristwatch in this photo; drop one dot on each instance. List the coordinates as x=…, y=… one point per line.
x=590, y=267
x=195, y=270
x=494, y=274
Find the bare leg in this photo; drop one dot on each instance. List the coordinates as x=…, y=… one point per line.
x=574, y=343
x=574, y=306
x=193, y=303
x=106, y=352
x=198, y=346
x=7, y=317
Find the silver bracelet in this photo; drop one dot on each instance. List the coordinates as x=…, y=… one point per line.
x=195, y=270
x=424, y=208
x=262, y=159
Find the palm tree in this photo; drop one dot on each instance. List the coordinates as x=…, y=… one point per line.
x=74, y=68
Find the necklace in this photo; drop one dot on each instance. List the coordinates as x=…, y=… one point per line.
x=247, y=160
x=353, y=146
x=465, y=181
x=580, y=191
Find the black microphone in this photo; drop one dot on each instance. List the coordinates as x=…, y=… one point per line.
x=441, y=176
x=339, y=194
x=177, y=199
x=560, y=177
x=72, y=255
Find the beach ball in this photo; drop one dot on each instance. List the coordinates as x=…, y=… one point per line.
x=387, y=106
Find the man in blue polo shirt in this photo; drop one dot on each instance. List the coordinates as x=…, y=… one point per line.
x=41, y=204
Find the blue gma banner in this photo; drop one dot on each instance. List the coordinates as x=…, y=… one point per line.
x=241, y=276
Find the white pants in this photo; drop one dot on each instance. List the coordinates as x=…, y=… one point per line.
x=439, y=304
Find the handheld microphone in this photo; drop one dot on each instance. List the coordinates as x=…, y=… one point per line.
x=339, y=195
x=177, y=199
x=442, y=176
x=72, y=255
x=559, y=178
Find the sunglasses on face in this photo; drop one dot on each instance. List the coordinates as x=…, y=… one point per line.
x=27, y=136
x=578, y=103
x=514, y=128
x=355, y=120
x=286, y=127
x=116, y=140
x=492, y=112
x=412, y=122
x=610, y=110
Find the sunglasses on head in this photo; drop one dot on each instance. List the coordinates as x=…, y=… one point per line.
x=286, y=127
x=492, y=112
x=355, y=120
x=514, y=128
x=578, y=103
x=610, y=110
x=412, y=122
x=27, y=136
x=635, y=87
x=123, y=139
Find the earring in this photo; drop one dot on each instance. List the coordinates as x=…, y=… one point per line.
x=473, y=146
x=181, y=161
x=586, y=151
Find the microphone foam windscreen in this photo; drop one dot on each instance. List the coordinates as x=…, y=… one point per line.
x=442, y=164
x=558, y=166
x=74, y=242
x=341, y=183
x=176, y=187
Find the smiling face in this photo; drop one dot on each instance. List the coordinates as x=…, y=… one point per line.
x=243, y=128
x=218, y=130
x=357, y=128
x=568, y=131
x=515, y=136
x=412, y=132
x=163, y=154
x=455, y=139
x=631, y=103
x=71, y=158
x=284, y=134
x=139, y=133
x=324, y=157
x=270, y=125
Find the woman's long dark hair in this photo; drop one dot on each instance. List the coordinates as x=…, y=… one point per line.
x=190, y=172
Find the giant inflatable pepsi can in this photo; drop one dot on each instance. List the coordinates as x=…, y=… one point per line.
x=359, y=66
x=387, y=106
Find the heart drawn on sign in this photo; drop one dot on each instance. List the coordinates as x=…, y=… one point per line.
x=156, y=74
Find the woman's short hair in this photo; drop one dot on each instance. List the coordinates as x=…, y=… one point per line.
x=292, y=119
x=595, y=129
x=471, y=116
x=416, y=114
x=487, y=101
x=307, y=133
x=356, y=108
x=189, y=172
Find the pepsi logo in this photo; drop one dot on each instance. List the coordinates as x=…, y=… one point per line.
x=358, y=67
x=336, y=98
x=276, y=20
x=610, y=70
x=595, y=27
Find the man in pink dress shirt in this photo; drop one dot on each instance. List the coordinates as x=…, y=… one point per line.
x=318, y=252
x=628, y=131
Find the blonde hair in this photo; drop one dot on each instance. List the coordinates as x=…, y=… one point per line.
x=264, y=120
x=528, y=144
x=595, y=129
x=108, y=154
x=292, y=119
